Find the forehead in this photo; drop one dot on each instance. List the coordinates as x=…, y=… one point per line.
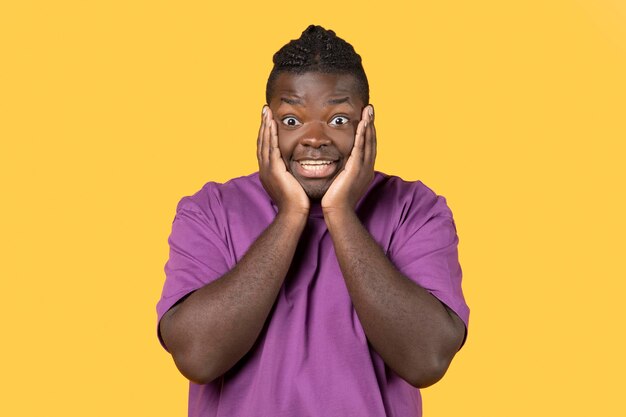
x=316, y=86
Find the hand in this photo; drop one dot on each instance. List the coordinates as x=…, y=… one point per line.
x=351, y=183
x=282, y=187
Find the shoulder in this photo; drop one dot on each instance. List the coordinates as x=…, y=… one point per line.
x=392, y=194
x=392, y=183
x=214, y=195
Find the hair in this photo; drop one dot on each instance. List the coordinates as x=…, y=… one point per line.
x=318, y=50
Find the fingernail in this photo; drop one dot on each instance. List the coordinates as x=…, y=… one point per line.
x=370, y=110
x=264, y=110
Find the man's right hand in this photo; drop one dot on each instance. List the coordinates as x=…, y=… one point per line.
x=285, y=191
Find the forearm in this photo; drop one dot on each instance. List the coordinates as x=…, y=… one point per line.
x=409, y=328
x=218, y=324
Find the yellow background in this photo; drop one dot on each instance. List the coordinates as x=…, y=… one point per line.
x=111, y=111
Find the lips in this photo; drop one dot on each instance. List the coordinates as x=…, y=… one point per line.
x=315, y=168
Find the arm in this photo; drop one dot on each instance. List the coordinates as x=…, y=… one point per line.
x=414, y=333
x=216, y=325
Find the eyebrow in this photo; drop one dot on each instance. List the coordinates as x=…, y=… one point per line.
x=339, y=100
x=292, y=101
x=299, y=102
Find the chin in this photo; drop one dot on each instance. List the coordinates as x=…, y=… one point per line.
x=315, y=191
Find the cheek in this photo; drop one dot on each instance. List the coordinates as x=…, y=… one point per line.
x=344, y=141
x=286, y=143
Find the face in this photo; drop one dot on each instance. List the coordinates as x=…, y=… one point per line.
x=317, y=115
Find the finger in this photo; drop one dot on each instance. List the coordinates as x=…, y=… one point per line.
x=370, y=145
x=366, y=113
x=265, y=146
x=366, y=119
x=370, y=138
x=374, y=146
x=259, y=139
x=275, y=156
x=359, y=140
x=274, y=148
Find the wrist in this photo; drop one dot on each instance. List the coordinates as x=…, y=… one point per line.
x=292, y=218
x=338, y=216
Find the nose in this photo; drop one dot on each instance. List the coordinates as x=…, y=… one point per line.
x=315, y=135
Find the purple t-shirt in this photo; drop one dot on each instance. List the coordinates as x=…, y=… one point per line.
x=312, y=358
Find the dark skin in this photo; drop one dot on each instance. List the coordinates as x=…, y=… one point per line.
x=326, y=151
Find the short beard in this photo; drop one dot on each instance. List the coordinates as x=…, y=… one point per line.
x=317, y=192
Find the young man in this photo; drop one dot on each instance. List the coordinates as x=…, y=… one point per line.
x=317, y=286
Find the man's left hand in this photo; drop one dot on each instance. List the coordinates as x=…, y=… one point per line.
x=351, y=183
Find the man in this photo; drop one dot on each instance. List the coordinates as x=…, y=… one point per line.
x=317, y=286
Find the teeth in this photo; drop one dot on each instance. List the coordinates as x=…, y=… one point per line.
x=313, y=162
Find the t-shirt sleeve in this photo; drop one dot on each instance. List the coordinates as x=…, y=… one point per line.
x=198, y=254
x=424, y=248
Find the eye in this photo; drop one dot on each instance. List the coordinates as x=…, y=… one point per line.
x=339, y=120
x=291, y=121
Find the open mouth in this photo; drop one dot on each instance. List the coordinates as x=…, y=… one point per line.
x=315, y=168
